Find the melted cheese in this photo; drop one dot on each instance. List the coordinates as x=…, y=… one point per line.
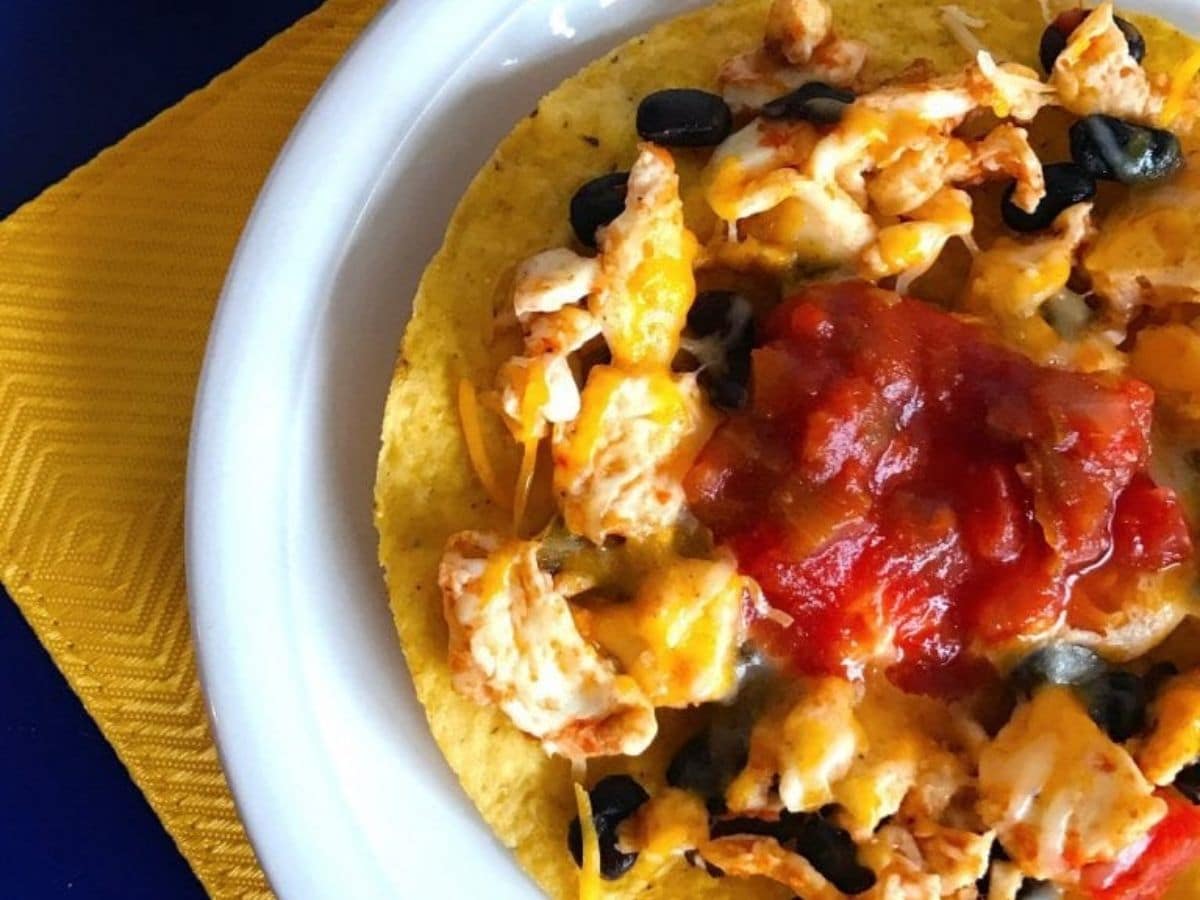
x=910, y=248
x=807, y=743
x=618, y=467
x=646, y=283
x=1012, y=278
x=1147, y=251
x=679, y=636
x=1181, y=84
x=589, y=870
x=906, y=758
x=1168, y=357
x=468, y=414
x=666, y=825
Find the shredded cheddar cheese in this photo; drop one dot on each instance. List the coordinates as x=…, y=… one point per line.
x=1181, y=82
x=959, y=23
x=524, y=480
x=589, y=871
x=535, y=396
x=468, y=414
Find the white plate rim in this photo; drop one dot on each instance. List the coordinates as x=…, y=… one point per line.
x=224, y=657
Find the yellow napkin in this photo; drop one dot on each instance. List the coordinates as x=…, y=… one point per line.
x=107, y=287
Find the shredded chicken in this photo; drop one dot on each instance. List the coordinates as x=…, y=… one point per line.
x=910, y=248
x=873, y=753
x=795, y=28
x=552, y=280
x=646, y=284
x=514, y=645
x=1059, y=793
x=638, y=291
x=958, y=856
x=918, y=757
x=800, y=748
x=900, y=870
x=619, y=466
x=746, y=856
x=537, y=387
x=799, y=47
x=1096, y=73
x=791, y=193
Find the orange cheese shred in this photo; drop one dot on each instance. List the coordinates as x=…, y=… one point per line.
x=468, y=414
x=589, y=871
x=1181, y=82
x=532, y=401
x=524, y=480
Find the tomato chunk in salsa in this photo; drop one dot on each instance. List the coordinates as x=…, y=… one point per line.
x=904, y=488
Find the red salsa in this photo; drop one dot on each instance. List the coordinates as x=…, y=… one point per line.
x=903, y=485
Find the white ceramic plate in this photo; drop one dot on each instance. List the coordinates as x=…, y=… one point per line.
x=341, y=787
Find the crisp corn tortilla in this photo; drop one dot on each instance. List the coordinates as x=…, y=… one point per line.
x=515, y=207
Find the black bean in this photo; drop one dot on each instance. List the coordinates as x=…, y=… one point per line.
x=1057, y=664
x=597, y=203
x=730, y=391
x=711, y=312
x=614, y=798
x=684, y=117
x=1115, y=150
x=693, y=768
x=1116, y=701
x=1066, y=185
x=813, y=102
x=720, y=335
x=834, y=854
x=1187, y=782
x=1058, y=32
x=1033, y=889
x=1157, y=675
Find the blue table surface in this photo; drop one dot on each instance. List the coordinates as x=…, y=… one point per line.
x=75, y=77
